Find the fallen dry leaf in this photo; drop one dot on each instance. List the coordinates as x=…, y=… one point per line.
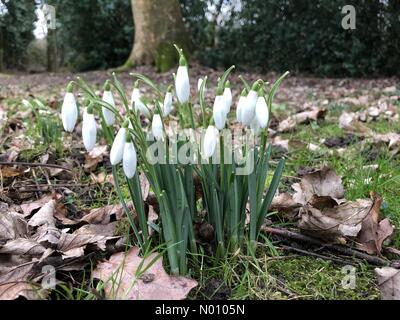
x=28, y=207
x=350, y=123
x=107, y=214
x=9, y=172
x=322, y=183
x=303, y=117
x=16, y=283
x=389, y=283
x=12, y=225
x=22, y=246
x=284, y=203
x=334, y=223
x=44, y=216
x=124, y=281
x=94, y=157
x=374, y=232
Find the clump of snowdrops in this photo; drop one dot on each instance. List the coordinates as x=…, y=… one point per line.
x=182, y=144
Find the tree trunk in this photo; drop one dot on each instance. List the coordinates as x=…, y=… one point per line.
x=51, y=50
x=158, y=25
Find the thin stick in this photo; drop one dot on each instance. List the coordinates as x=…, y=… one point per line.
x=344, y=250
x=309, y=253
x=29, y=164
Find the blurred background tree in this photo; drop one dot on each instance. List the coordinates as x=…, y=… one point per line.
x=268, y=35
x=17, y=20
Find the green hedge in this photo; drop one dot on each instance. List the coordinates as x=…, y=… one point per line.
x=16, y=31
x=94, y=34
x=306, y=36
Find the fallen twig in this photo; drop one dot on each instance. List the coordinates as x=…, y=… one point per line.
x=344, y=250
x=317, y=255
x=33, y=164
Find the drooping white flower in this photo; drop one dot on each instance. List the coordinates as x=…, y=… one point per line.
x=69, y=110
x=219, y=113
x=129, y=160
x=248, y=110
x=89, y=130
x=262, y=112
x=240, y=105
x=117, y=149
x=157, y=127
x=137, y=103
x=109, y=116
x=228, y=97
x=182, y=85
x=210, y=141
x=167, y=106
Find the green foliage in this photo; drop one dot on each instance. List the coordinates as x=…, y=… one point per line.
x=16, y=31
x=301, y=35
x=94, y=34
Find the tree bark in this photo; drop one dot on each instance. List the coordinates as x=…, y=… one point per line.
x=158, y=25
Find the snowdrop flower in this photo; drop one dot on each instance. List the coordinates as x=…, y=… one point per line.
x=129, y=159
x=109, y=116
x=89, y=130
x=117, y=149
x=219, y=113
x=167, y=106
x=182, y=86
x=210, y=141
x=262, y=112
x=240, y=105
x=248, y=110
x=228, y=97
x=157, y=127
x=136, y=101
x=69, y=110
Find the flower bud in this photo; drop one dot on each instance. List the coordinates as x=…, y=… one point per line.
x=182, y=85
x=117, y=149
x=157, y=127
x=69, y=110
x=228, y=97
x=89, y=130
x=219, y=113
x=129, y=160
x=262, y=112
x=210, y=141
x=137, y=103
x=167, y=106
x=240, y=105
x=109, y=116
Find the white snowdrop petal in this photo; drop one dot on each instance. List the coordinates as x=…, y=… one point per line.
x=210, y=141
x=182, y=86
x=262, y=112
x=239, y=108
x=137, y=103
x=129, y=160
x=109, y=116
x=69, y=112
x=248, y=109
x=219, y=114
x=89, y=130
x=117, y=149
x=167, y=106
x=228, y=99
x=157, y=127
